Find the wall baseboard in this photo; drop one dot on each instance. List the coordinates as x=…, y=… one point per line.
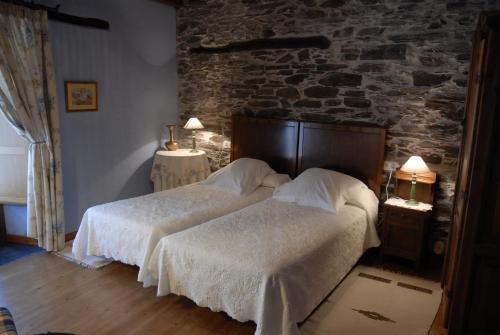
x=70, y=236
x=33, y=241
x=21, y=239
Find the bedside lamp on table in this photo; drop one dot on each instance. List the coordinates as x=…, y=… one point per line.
x=193, y=124
x=414, y=165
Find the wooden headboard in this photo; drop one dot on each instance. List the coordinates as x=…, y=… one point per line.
x=294, y=146
x=273, y=141
x=354, y=150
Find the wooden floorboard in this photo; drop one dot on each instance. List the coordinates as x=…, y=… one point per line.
x=46, y=293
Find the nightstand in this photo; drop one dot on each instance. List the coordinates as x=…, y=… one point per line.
x=177, y=168
x=405, y=227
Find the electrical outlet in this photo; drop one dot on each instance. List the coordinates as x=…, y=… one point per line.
x=390, y=165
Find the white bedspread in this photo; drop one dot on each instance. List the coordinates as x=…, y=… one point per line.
x=128, y=230
x=272, y=262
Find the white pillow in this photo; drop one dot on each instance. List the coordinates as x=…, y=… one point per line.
x=241, y=176
x=275, y=180
x=315, y=188
x=326, y=189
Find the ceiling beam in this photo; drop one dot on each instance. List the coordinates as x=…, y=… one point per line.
x=173, y=3
x=54, y=14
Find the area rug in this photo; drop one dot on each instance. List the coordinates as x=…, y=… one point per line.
x=10, y=252
x=91, y=262
x=376, y=302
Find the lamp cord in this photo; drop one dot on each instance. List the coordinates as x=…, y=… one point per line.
x=387, y=185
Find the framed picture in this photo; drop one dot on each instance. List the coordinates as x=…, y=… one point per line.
x=81, y=96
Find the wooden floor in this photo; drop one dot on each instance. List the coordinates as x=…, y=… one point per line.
x=46, y=293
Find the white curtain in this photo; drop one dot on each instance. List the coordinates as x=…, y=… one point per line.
x=28, y=101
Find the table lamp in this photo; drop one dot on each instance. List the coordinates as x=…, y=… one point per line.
x=193, y=124
x=414, y=165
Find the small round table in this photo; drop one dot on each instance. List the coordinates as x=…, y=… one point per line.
x=180, y=167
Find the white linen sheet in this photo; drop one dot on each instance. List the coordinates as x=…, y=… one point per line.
x=128, y=230
x=272, y=262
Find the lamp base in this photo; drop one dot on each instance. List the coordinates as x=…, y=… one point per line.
x=412, y=202
x=194, y=150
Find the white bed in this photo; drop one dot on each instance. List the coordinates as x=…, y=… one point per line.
x=272, y=262
x=128, y=230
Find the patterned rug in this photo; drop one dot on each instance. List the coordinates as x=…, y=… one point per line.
x=13, y=251
x=377, y=302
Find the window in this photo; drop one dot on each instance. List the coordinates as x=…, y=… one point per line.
x=13, y=162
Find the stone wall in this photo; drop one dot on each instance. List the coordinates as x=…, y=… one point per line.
x=400, y=63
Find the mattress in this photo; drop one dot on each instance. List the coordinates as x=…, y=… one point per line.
x=128, y=230
x=272, y=262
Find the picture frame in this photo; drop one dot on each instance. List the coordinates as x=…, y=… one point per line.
x=81, y=96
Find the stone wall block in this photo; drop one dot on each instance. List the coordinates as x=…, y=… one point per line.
x=357, y=102
x=321, y=92
x=289, y=92
x=386, y=51
x=308, y=103
x=333, y=102
x=423, y=78
x=296, y=79
x=341, y=79
x=337, y=110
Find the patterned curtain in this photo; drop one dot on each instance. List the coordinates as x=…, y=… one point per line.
x=28, y=101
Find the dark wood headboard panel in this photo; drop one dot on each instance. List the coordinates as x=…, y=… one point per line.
x=292, y=147
x=354, y=150
x=273, y=141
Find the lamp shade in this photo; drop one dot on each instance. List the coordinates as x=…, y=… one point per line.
x=193, y=124
x=415, y=164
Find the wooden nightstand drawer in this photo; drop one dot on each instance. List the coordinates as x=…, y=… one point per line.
x=403, y=217
x=404, y=232
x=401, y=241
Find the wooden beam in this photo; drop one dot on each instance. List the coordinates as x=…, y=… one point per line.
x=174, y=3
x=77, y=20
x=54, y=15
x=318, y=42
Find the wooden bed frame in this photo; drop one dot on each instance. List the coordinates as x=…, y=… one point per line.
x=294, y=146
